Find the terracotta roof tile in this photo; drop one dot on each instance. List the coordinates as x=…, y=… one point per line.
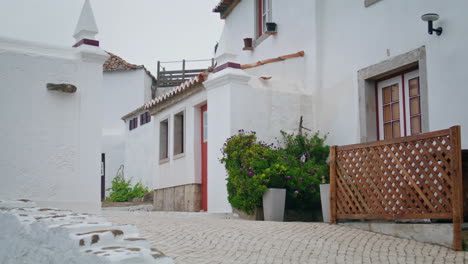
x=224, y=7
x=116, y=63
x=177, y=90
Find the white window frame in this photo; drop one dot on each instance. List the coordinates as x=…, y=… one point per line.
x=405, y=117
x=184, y=114
x=164, y=159
x=407, y=77
x=266, y=11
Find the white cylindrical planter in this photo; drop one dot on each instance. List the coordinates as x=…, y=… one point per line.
x=325, y=199
x=273, y=204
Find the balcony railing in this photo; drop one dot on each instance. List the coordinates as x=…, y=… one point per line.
x=169, y=78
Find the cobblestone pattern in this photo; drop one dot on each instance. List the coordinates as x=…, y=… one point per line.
x=208, y=240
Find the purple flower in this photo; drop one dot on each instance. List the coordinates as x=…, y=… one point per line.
x=242, y=168
x=263, y=182
x=315, y=170
x=250, y=173
x=296, y=192
x=242, y=188
x=288, y=177
x=300, y=179
x=309, y=172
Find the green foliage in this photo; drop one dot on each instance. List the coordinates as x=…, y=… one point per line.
x=122, y=190
x=246, y=159
x=254, y=166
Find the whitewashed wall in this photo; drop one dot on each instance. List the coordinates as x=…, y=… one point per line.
x=396, y=26
x=139, y=153
x=341, y=37
x=51, y=140
x=186, y=168
x=124, y=91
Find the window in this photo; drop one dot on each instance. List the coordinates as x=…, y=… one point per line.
x=179, y=133
x=163, y=139
x=264, y=14
x=133, y=123
x=145, y=118
x=399, y=106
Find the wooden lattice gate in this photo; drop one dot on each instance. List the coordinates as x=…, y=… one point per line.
x=416, y=177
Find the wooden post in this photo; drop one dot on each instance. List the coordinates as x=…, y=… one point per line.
x=183, y=70
x=457, y=199
x=333, y=185
x=158, y=75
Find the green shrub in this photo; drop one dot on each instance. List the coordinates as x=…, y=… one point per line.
x=246, y=160
x=122, y=190
x=253, y=166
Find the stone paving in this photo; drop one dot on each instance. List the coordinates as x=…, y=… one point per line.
x=198, y=238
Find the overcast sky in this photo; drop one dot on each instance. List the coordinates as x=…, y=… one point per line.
x=140, y=31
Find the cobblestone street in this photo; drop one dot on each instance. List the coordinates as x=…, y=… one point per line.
x=199, y=238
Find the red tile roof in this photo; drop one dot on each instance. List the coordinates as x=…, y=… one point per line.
x=116, y=63
x=177, y=90
x=224, y=7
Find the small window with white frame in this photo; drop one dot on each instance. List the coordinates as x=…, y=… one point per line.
x=179, y=133
x=164, y=139
x=399, y=105
x=264, y=15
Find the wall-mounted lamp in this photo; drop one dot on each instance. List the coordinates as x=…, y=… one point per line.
x=431, y=17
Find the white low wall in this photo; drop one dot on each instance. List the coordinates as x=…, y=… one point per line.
x=45, y=235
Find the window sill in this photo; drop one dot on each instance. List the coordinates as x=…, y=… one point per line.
x=260, y=39
x=162, y=161
x=178, y=156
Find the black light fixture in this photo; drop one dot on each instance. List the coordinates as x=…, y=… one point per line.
x=431, y=17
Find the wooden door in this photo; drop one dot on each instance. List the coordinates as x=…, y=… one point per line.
x=204, y=159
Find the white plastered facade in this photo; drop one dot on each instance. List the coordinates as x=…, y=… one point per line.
x=339, y=39
x=51, y=139
x=124, y=90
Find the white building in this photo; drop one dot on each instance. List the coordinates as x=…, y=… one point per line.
x=51, y=135
x=126, y=87
x=359, y=70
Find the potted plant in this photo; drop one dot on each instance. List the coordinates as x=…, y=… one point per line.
x=271, y=27
x=248, y=44
x=245, y=160
x=263, y=174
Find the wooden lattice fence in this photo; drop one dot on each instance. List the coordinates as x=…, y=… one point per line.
x=416, y=177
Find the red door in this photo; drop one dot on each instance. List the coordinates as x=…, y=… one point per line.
x=204, y=149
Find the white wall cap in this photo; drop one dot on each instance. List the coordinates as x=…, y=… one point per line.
x=86, y=27
x=226, y=57
x=36, y=48
x=92, y=54
x=228, y=76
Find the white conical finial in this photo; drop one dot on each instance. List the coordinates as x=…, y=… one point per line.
x=86, y=27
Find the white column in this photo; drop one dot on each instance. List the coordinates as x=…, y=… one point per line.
x=219, y=87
